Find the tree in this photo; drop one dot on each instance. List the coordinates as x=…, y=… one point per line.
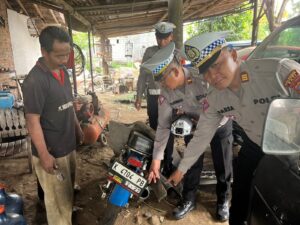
x=238, y=24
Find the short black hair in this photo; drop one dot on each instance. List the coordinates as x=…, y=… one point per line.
x=161, y=36
x=50, y=34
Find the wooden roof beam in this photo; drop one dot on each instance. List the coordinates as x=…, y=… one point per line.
x=129, y=19
x=53, y=16
x=37, y=9
x=68, y=8
x=201, y=9
x=119, y=12
x=8, y=5
x=118, y=6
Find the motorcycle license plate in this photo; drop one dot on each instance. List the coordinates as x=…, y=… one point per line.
x=127, y=178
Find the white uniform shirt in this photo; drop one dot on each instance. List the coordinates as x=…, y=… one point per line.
x=191, y=102
x=248, y=107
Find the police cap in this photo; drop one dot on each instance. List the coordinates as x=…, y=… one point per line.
x=160, y=61
x=203, y=50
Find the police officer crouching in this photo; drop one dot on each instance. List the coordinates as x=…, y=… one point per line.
x=164, y=35
x=183, y=94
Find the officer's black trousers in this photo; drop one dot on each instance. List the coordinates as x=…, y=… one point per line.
x=221, y=146
x=243, y=169
x=152, y=111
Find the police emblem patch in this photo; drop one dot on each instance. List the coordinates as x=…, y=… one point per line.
x=293, y=81
x=244, y=77
x=161, y=99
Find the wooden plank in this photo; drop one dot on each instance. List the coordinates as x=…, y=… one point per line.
x=39, y=12
x=118, y=6
x=53, y=16
x=67, y=7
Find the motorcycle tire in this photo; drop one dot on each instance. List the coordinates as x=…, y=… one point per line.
x=111, y=214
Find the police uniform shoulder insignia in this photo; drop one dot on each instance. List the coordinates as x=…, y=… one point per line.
x=205, y=105
x=244, y=77
x=293, y=81
x=189, y=80
x=161, y=99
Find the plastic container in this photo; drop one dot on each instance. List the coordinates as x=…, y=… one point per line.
x=119, y=196
x=6, y=100
x=10, y=218
x=13, y=202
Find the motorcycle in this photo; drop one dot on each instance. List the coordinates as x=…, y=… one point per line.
x=126, y=175
x=126, y=179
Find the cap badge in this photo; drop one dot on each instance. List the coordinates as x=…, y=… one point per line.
x=244, y=77
x=192, y=52
x=162, y=28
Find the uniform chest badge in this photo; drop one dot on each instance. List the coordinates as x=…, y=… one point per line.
x=189, y=81
x=244, y=77
x=293, y=81
x=161, y=99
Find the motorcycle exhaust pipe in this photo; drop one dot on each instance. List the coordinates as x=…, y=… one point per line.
x=145, y=194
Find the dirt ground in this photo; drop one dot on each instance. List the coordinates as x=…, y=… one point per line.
x=91, y=174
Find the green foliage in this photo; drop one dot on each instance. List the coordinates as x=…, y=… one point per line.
x=98, y=69
x=238, y=24
x=117, y=64
x=81, y=39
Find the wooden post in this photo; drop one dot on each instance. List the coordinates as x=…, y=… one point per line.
x=103, y=51
x=91, y=60
x=73, y=69
x=254, y=24
x=175, y=9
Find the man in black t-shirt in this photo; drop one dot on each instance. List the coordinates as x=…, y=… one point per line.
x=52, y=124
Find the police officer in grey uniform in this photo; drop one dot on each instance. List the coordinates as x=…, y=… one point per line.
x=183, y=93
x=243, y=91
x=164, y=35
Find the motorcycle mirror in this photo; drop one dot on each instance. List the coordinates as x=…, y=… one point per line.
x=282, y=128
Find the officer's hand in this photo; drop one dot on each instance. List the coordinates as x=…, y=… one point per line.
x=48, y=162
x=154, y=171
x=138, y=103
x=175, y=177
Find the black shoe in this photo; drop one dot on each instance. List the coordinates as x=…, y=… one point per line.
x=183, y=208
x=222, y=212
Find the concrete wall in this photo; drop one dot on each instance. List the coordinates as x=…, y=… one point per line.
x=26, y=49
x=140, y=43
x=6, y=55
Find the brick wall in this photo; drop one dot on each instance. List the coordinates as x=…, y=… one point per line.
x=6, y=54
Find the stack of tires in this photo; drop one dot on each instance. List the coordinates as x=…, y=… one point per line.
x=14, y=140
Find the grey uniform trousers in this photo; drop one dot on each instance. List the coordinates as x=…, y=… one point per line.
x=221, y=146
